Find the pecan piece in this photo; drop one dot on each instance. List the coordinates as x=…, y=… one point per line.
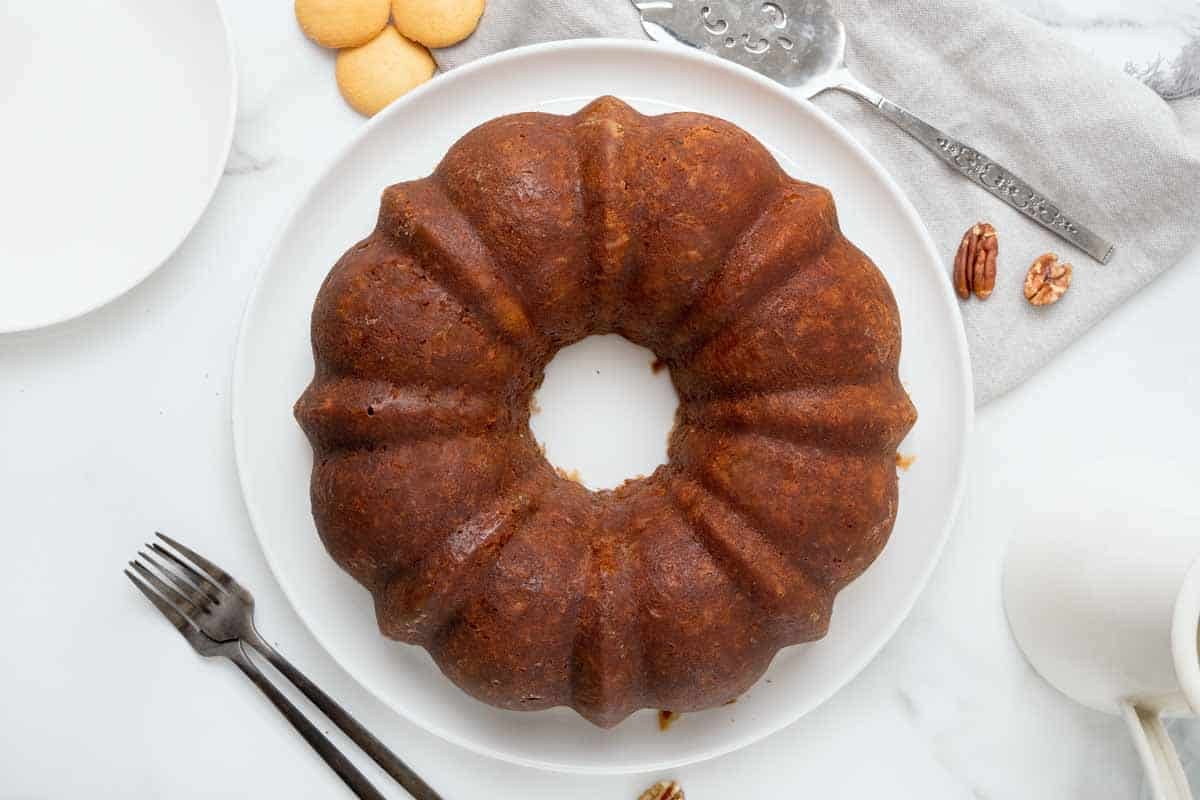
x=1047, y=280
x=975, y=263
x=663, y=790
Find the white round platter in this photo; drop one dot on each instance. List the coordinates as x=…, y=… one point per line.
x=274, y=364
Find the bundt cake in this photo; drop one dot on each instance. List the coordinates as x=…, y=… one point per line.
x=681, y=233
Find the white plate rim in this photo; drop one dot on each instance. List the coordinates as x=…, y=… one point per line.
x=153, y=265
x=966, y=389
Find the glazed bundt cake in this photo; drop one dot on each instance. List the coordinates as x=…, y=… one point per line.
x=681, y=233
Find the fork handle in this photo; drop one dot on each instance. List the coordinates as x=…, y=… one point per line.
x=377, y=750
x=978, y=168
x=345, y=770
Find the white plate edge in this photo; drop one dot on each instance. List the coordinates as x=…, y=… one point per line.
x=154, y=265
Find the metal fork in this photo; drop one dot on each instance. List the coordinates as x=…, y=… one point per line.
x=205, y=601
x=234, y=652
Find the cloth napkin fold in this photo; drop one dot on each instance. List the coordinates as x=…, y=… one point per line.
x=1121, y=159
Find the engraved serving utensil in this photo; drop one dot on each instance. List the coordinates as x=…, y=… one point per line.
x=802, y=44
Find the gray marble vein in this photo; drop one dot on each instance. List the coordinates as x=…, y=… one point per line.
x=1147, y=38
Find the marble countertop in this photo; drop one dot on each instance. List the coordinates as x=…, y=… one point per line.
x=1119, y=31
x=118, y=423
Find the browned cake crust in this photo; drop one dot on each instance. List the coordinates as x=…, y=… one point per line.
x=683, y=234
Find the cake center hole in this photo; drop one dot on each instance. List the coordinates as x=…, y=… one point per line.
x=603, y=414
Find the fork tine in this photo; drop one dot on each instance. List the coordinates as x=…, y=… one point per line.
x=194, y=596
x=174, y=617
x=177, y=600
x=216, y=573
x=210, y=589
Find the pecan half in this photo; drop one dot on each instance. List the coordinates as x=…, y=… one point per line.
x=975, y=263
x=663, y=790
x=1047, y=280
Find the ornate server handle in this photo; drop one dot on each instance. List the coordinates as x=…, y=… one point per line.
x=987, y=173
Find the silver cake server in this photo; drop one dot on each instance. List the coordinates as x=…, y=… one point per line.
x=802, y=44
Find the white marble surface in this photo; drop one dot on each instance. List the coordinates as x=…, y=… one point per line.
x=118, y=424
x=1119, y=31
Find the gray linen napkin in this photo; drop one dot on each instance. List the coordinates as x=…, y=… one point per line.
x=1123, y=160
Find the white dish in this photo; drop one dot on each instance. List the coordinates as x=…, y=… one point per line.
x=117, y=118
x=274, y=364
